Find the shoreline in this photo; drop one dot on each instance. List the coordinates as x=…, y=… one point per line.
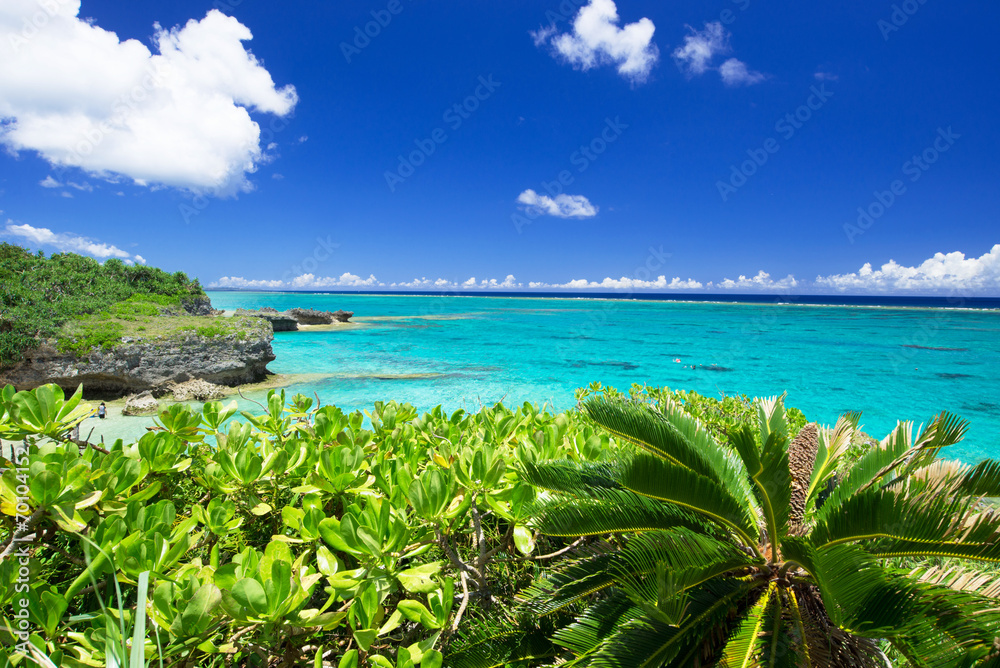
x=131, y=427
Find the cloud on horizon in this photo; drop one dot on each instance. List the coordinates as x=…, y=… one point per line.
x=38, y=237
x=560, y=206
x=943, y=273
x=82, y=98
x=597, y=40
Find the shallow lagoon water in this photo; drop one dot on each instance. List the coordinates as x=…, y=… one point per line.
x=463, y=351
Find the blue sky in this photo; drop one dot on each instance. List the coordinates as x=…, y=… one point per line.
x=180, y=178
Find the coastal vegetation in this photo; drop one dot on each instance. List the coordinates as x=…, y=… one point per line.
x=80, y=302
x=647, y=528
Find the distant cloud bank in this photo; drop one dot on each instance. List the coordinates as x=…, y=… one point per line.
x=950, y=273
x=81, y=98
x=42, y=237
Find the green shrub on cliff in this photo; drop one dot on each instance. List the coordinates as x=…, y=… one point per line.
x=38, y=294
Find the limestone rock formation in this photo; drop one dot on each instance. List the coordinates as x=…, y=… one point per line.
x=196, y=390
x=310, y=316
x=137, y=365
x=141, y=404
x=280, y=322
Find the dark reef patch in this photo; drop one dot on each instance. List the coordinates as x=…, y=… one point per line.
x=627, y=366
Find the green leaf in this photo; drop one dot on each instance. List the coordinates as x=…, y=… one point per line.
x=45, y=488
x=524, y=539
x=416, y=611
x=365, y=638
x=250, y=594
x=137, y=658
x=420, y=578
x=349, y=660
x=198, y=613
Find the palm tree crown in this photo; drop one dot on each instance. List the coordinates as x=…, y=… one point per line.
x=770, y=551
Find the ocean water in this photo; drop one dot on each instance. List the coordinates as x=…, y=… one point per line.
x=465, y=351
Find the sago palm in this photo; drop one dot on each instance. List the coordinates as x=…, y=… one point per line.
x=762, y=552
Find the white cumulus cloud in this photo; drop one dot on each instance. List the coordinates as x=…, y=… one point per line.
x=345, y=280
x=944, y=272
x=560, y=206
x=597, y=39
x=735, y=73
x=241, y=283
x=762, y=281
x=38, y=237
x=700, y=48
x=626, y=283
x=82, y=98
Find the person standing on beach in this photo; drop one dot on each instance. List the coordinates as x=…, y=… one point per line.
x=102, y=411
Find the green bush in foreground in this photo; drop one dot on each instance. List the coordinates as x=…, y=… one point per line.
x=297, y=536
x=304, y=536
x=757, y=553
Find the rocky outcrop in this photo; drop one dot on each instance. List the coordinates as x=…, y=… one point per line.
x=280, y=322
x=137, y=365
x=196, y=390
x=308, y=316
x=289, y=321
x=200, y=306
x=141, y=404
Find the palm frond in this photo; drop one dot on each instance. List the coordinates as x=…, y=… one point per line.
x=673, y=434
x=893, y=451
x=571, y=478
x=658, y=478
x=982, y=480
x=771, y=417
x=596, y=625
x=950, y=627
x=831, y=447
x=958, y=578
x=858, y=594
x=744, y=645
x=692, y=557
x=886, y=514
x=608, y=511
x=771, y=476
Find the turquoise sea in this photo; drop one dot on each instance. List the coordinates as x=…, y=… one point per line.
x=464, y=351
